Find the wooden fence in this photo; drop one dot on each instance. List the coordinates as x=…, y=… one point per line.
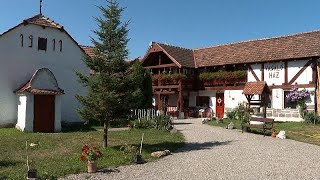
x=144, y=113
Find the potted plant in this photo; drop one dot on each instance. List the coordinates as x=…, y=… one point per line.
x=90, y=154
x=274, y=133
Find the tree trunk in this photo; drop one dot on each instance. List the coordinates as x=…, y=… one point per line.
x=105, y=133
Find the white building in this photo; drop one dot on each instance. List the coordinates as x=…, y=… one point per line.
x=38, y=83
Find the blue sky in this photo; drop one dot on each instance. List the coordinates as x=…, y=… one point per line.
x=186, y=23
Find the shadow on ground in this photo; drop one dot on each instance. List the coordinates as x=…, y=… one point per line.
x=181, y=123
x=201, y=146
x=5, y=163
x=179, y=147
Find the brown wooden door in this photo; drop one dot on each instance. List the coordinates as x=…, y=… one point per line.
x=219, y=105
x=43, y=113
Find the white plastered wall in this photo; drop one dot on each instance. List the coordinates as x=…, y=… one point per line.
x=19, y=64
x=233, y=97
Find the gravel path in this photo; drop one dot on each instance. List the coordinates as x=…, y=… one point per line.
x=217, y=153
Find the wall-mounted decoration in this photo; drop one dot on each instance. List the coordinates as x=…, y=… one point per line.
x=31, y=40
x=53, y=44
x=42, y=44
x=60, y=42
x=21, y=36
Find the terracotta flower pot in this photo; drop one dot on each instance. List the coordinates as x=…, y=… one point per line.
x=274, y=135
x=92, y=166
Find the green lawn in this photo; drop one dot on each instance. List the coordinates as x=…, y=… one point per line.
x=298, y=131
x=59, y=154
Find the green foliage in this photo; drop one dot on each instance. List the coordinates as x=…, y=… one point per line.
x=161, y=122
x=232, y=115
x=140, y=87
x=107, y=90
x=129, y=151
x=243, y=113
x=311, y=118
x=174, y=76
x=240, y=113
x=143, y=123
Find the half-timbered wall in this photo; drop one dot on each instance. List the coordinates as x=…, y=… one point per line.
x=281, y=77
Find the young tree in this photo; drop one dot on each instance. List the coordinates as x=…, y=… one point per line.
x=140, y=87
x=106, y=86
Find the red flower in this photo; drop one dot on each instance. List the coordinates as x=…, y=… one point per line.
x=82, y=158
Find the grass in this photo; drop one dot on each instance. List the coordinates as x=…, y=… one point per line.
x=298, y=131
x=59, y=153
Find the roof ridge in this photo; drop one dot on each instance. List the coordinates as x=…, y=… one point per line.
x=42, y=17
x=259, y=39
x=173, y=46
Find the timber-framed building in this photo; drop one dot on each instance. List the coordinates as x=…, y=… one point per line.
x=188, y=80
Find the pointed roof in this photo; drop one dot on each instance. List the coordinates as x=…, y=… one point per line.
x=42, y=20
x=50, y=87
x=183, y=57
x=255, y=88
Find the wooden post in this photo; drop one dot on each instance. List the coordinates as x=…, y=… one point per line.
x=262, y=72
x=180, y=96
x=158, y=101
x=286, y=72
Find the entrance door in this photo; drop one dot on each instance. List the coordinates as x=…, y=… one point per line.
x=43, y=113
x=219, y=105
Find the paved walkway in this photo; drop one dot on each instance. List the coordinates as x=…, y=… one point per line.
x=217, y=153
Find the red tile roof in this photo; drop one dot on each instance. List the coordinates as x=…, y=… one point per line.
x=255, y=87
x=271, y=49
x=43, y=21
x=183, y=56
x=88, y=50
x=27, y=88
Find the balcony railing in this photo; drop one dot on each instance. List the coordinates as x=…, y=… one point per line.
x=225, y=82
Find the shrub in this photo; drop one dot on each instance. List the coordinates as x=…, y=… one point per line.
x=143, y=123
x=162, y=122
x=311, y=118
x=232, y=115
x=243, y=112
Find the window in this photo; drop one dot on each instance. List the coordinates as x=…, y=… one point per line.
x=21, y=36
x=53, y=44
x=202, y=101
x=42, y=44
x=60, y=42
x=31, y=40
x=288, y=103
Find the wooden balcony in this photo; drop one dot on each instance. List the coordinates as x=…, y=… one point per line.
x=224, y=82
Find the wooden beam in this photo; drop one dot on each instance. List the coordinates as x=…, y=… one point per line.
x=295, y=77
x=286, y=72
x=164, y=92
x=314, y=71
x=289, y=86
x=262, y=71
x=180, y=97
x=253, y=73
x=225, y=88
x=161, y=66
x=166, y=87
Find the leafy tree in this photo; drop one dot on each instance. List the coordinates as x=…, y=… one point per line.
x=140, y=87
x=106, y=86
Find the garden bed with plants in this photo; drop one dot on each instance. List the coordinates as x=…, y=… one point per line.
x=59, y=154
